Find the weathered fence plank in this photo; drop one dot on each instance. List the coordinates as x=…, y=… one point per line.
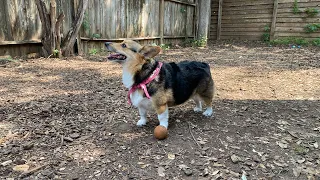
x=219, y=20
x=274, y=20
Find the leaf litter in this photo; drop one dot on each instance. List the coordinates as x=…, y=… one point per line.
x=80, y=102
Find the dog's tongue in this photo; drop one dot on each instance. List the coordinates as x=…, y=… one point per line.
x=116, y=56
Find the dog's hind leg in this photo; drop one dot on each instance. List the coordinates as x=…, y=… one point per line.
x=207, y=97
x=197, y=100
x=208, y=112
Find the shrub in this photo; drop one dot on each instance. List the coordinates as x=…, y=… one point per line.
x=316, y=42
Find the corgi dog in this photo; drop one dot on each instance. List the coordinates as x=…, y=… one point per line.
x=156, y=85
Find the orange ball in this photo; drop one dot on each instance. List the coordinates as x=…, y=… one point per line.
x=160, y=132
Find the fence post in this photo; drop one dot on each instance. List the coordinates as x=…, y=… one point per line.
x=186, y=23
x=274, y=20
x=219, y=20
x=161, y=20
x=204, y=19
x=195, y=20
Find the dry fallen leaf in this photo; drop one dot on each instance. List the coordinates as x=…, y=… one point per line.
x=21, y=168
x=171, y=156
x=297, y=171
x=317, y=129
x=235, y=158
x=301, y=160
x=183, y=166
x=6, y=163
x=217, y=165
x=215, y=172
x=259, y=153
x=282, y=144
x=280, y=164
x=316, y=145
x=262, y=166
x=161, y=171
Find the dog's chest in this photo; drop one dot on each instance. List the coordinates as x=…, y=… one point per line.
x=137, y=99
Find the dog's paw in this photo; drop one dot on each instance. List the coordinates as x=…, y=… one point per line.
x=197, y=109
x=142, y=122
x=208, y=112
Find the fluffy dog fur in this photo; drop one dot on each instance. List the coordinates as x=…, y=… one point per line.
x=175, y=84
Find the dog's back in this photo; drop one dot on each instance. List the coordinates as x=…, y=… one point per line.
x=188, y=78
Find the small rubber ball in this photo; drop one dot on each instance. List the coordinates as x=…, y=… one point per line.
x=160, y=132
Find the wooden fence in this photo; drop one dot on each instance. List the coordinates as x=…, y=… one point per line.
x=250, y=19
x=20, y=29
x=149, y=21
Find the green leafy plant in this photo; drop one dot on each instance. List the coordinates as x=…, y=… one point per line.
x=296, y=9
x=201, y=42
x=289, y=40
x=316, y=42
x=182, y=10
x=165, y=46
x=93, y=51
x=266, y=35
x=96, y=36
x=301, y=150
x=310, y=28
x=6, y=58
x=311, y=12
x=55, y=52
x=86, y=22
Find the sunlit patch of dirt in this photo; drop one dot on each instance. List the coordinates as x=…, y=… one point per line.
x=85, y=152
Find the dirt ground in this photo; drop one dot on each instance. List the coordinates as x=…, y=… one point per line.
x=69, y=119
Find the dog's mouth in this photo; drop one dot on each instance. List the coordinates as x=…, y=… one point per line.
x=117, y=56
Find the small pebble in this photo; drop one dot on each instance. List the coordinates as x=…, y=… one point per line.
x=187, y=172
x=74, y=135
x=27, y=146
x=68, y=139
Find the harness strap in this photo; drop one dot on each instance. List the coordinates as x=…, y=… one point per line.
x=143, y=84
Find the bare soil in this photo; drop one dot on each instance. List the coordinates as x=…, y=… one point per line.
x=69, y=119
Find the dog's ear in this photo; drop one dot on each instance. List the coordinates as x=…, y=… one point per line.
x=150, y=51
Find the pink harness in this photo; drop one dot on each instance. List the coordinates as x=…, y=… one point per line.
x=143, y=84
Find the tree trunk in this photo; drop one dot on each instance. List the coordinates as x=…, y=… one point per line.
x=204, y=19
x=70, y=39
x=46, y=38
x=51, y=37
x=58, y=34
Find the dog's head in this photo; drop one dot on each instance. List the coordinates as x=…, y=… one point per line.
x=130, y=51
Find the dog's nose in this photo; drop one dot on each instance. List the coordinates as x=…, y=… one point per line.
x=107, y=43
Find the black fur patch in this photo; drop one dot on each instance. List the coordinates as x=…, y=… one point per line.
x=184, y=77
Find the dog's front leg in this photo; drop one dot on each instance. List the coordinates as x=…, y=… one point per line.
x=143, y=116
x=163, y=115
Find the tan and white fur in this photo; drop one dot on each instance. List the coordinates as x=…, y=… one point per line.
x=175, y=84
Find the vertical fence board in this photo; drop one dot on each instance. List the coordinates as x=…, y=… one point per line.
x=274, y=20
x=167, y=17
x=190, y=20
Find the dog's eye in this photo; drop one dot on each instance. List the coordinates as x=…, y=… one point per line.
x=133, y=50
x=124, y=45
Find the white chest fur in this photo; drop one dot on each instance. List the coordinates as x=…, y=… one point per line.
x=138, y=100
x=136, y=97
x=127, y=78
